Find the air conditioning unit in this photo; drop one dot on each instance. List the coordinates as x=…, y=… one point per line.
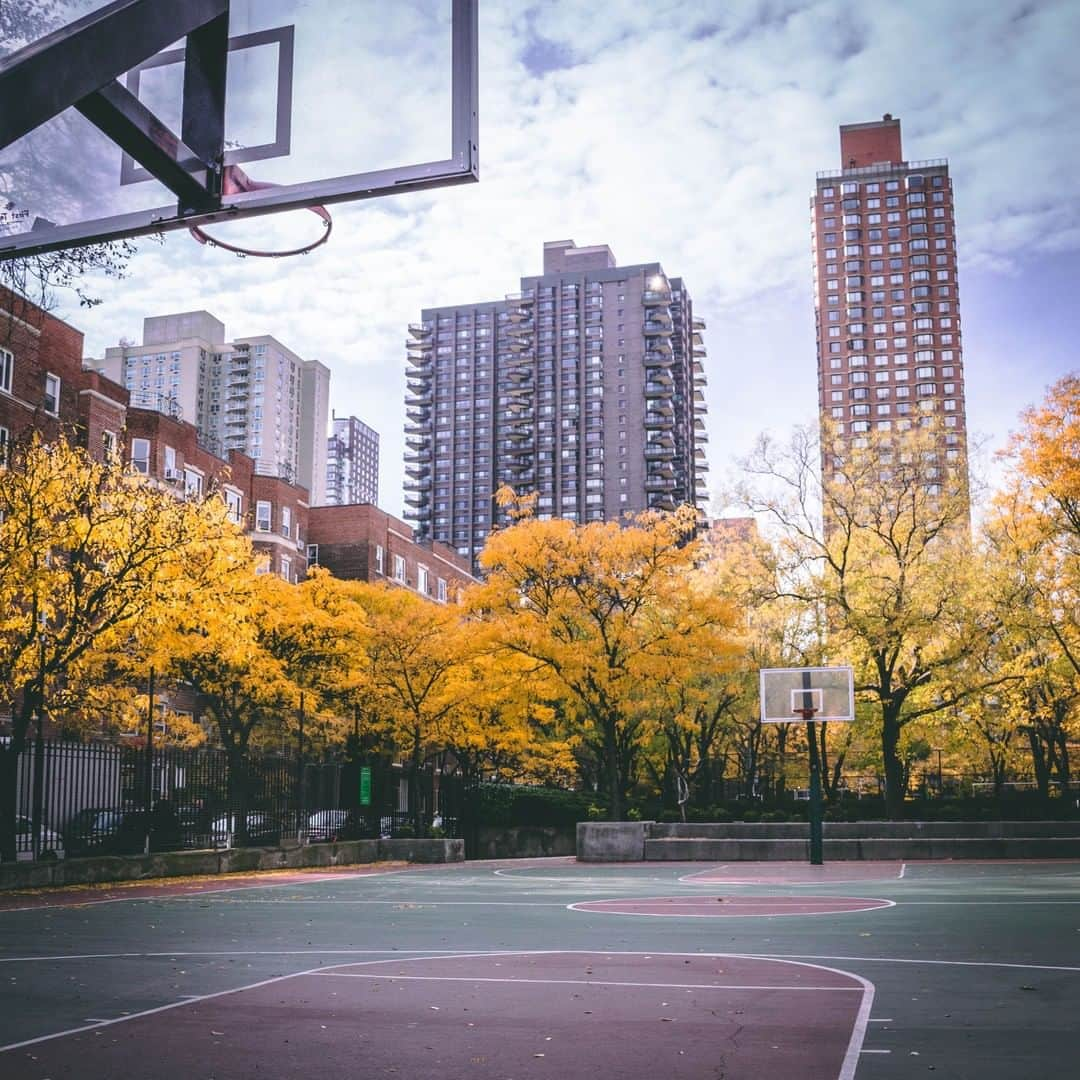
x=173, y=475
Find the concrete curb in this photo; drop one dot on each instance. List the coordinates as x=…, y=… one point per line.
x=104, y=868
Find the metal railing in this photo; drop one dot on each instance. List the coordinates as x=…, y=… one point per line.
x=884, y=167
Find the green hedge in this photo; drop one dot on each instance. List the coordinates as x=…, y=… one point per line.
x=512, y=805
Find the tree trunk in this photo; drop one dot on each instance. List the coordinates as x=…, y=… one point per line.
x=611, y=770
x=1038, y=760
x=895, y=784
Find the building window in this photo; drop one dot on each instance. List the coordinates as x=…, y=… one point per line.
x=5, y=442
x=399, y=568
x=422, y=584
x=140, y=456
x=262, y=516
x=380, y=559
x=52, y=393
x=441, y=594
x=193, y=484
x=286, y=568
x=235, y=502
x=7, y=363
x=108, y=444
x=286, y=521
x=313, y=554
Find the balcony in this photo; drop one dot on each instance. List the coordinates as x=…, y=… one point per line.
x=419, y=330
x=657, y=329
x=657, y=422
x=657, y=358
x=521, y=298
x=653, y=298
x=419, y=458
x=655, y=452
x=697, y=323
x=419, y=360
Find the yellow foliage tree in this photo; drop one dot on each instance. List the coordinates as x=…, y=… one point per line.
x=91, y=556
x=882, y=552
x=609, y=611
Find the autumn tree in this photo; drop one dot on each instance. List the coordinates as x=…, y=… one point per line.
x=608, y=611
x=881, y=549
x=412, y=656
x=91, y=559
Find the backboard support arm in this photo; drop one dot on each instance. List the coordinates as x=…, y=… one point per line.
x=78, y=64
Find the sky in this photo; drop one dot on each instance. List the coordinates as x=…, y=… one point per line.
x=684, y=133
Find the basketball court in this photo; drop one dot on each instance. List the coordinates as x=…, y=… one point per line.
x=550, y=967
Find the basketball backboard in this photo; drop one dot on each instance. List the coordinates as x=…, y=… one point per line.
x=786, y=692
x=326, y=100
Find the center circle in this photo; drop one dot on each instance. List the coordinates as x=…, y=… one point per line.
x=726, y=907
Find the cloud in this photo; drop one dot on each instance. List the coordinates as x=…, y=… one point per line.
x=691, y=137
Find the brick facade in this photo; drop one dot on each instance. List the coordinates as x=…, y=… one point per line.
x=362, y=542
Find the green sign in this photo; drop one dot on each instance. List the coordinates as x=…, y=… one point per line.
x=365, y=785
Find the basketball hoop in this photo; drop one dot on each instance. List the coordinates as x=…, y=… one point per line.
x=234, y=181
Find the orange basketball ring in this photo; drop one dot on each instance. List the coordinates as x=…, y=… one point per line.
x=235, y=180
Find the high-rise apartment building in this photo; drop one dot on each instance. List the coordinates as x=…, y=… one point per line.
x=352, y=463
x=252, y=394
x=887, y=307
x=586, y=387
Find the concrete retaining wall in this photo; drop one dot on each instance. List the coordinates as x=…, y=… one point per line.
x=102, y=868
x=611, y=841
x=524, y=842
x=745, y=841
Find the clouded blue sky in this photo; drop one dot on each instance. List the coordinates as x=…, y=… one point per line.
x=690, y=133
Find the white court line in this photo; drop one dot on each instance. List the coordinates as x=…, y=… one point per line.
x=864, y=1051
x=878, y=905
x=903, y=869
x=145, y=1012
x=847, y=1069
x=578, y=982
x=913, y=960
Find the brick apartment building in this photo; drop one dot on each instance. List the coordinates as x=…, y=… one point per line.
x=887, y=305
x=45, y=388
x=361, y=542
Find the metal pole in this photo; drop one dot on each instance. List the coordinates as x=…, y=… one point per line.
x=816, y=845
x=807, y=713
x=148, y=792
x=300, y=773
x=37, y=810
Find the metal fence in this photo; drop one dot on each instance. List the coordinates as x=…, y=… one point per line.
x=76, y=798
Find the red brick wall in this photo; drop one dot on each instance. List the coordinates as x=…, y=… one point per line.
x=868, y=144
x=347, y=538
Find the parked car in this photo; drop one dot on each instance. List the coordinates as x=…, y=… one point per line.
x=326, y=825
x=262, y=830
x=98, y=831
x=52, y=844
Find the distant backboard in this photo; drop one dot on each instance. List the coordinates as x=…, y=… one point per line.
x=328, y=100
x=829, y=691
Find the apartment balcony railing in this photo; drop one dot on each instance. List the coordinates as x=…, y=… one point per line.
x=884, y=167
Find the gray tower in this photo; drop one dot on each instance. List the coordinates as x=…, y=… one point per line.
x=586, y=387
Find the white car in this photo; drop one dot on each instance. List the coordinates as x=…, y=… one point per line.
x=326, y=824
x=52, y=846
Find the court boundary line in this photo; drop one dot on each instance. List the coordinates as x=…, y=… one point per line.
x=916, y=960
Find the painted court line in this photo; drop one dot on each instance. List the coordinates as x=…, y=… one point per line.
x=847, y=1070
x=913, y=960
x=580, y=982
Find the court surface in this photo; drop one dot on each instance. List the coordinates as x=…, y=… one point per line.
x=550, y=968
